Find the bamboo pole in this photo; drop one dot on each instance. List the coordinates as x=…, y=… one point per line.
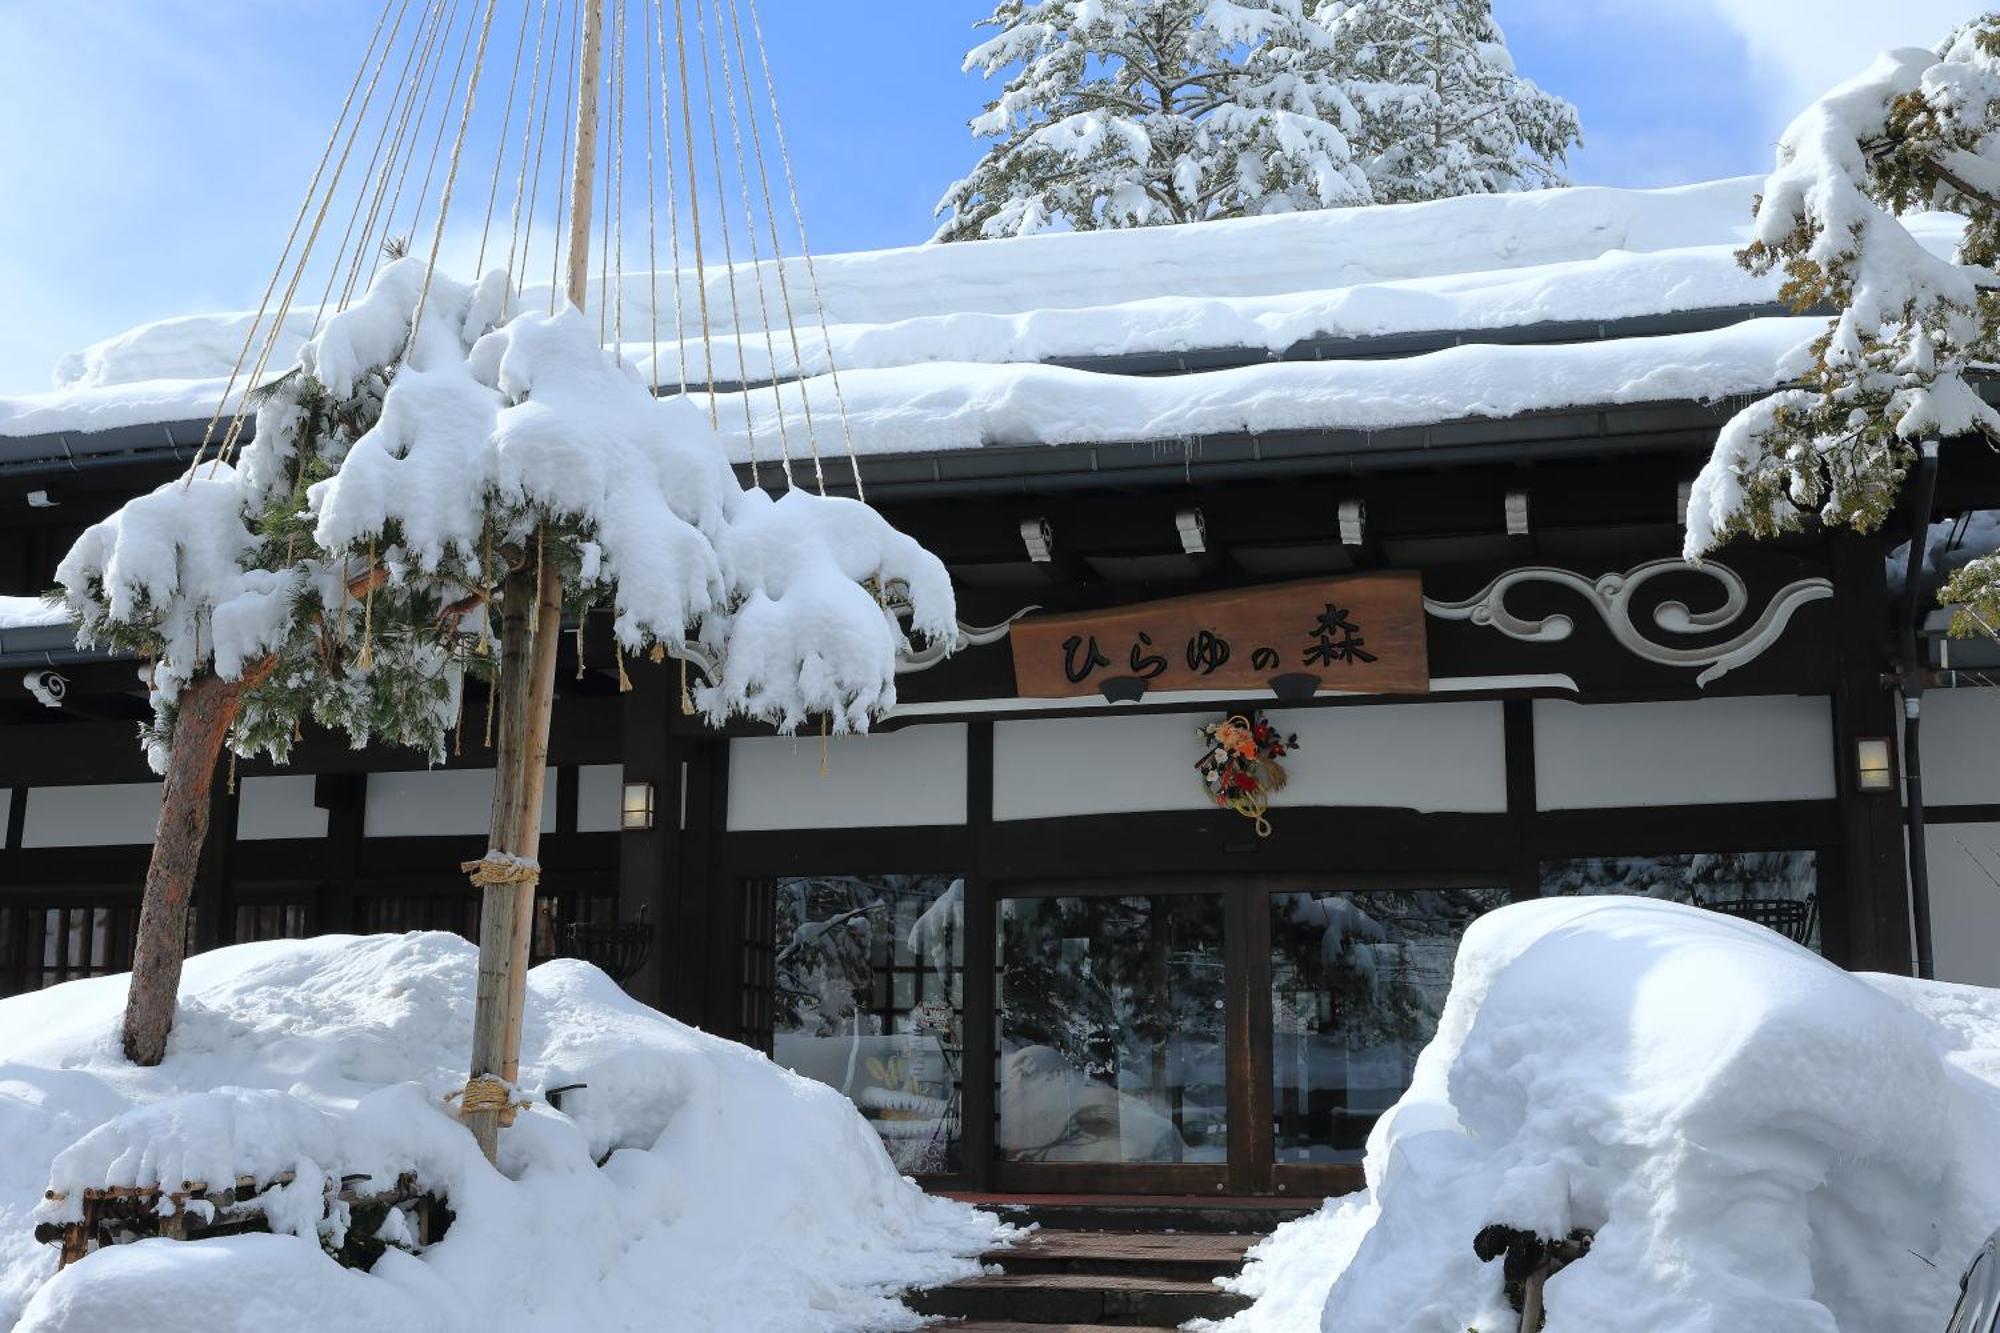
x=530, y=632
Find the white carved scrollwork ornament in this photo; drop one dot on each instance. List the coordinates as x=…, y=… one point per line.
x=1613, y=594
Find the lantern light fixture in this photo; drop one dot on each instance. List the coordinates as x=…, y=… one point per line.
x=635, y=814
x=1874, y=767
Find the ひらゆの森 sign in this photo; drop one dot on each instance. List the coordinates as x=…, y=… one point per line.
x=1363, y=633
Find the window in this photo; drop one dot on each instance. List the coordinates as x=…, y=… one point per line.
x=1775, y=889
x=1358, y=981
x=867, y=995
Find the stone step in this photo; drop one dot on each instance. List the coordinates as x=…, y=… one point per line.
x=1010, y=1326
x=1124, y=1253
x=1081, y=1298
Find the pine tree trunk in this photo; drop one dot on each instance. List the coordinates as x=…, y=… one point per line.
x=207, y=708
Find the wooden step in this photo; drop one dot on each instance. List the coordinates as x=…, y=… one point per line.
x=1081, y=1298
x=1124, y=1253
x=1141, y=1212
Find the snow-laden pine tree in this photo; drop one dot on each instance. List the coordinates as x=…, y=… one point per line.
x=1917, y=130
x=1124, y=113
x=1442, y=110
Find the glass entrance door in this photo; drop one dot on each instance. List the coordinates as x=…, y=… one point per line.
x=1198, y=1035
x=1112, y=1028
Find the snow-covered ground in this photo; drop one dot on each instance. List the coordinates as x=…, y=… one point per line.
x=733, y=1195
x=1759, y=1141
x=945, y=345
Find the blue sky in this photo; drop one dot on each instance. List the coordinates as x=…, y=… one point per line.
x=152, y=154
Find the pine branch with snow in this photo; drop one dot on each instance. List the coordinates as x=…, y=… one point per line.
x=1896, y=366
x=1442, y=110
x=1126, y=113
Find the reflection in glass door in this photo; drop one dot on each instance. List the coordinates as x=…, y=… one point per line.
x=1112, y=1032
x=1358, y=981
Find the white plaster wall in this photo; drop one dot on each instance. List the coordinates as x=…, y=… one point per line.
x=277, y=807
x=1694, y=752
x=1429, y=757
x=600, y=794
x=1961, y=745
x=444, y=801
x=107, y=816
x=1965, y=900
x=900, y=778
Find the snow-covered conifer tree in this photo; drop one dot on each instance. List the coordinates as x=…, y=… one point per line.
x=1128, y=113
x=1917, y=130
x=1442, y=110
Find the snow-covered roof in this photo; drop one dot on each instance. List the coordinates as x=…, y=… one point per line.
x=1493, y=306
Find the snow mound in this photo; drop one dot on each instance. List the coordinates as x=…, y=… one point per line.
x=732, y=1195
x=1758, y=1140
x=30, y=613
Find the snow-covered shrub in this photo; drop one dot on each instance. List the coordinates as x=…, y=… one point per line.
x=1758, y=1140
x=733, y=1195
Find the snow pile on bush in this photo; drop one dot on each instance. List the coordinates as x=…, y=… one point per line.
x=1758, y=1140
x=733, y=1195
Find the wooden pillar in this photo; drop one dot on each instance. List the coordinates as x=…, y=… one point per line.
x=1865, y=894
x=646, y=856
x=977, y=1021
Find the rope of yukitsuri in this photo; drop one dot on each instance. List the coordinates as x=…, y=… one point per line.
x=575, y=66
x=756, y=258
x=673, y=208
x=506, y=124
x=441, y=39
x=777, y=253
x=805, y=250
x=489, y=1093
x=444, y=112
x=694, y=222
x=736, y=324
x=525, y=185
x=235, y=432
x=451, y=174
x=361, y=196
x=608, y=98
x=305, y=207
x=413, y=80
x=652, y=218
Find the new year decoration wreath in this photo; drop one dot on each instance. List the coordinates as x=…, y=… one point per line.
x=1240, y=767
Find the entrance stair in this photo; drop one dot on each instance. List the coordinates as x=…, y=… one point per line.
x=1103, y=1264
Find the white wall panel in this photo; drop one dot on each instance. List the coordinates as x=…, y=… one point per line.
x=107, y=816
x=1961, y=742
x=1428, y=757
x=893, y=778
x=1694, y=752
x=277, y=807
x=1965, y=900
x=599, y=796
x=440, y=801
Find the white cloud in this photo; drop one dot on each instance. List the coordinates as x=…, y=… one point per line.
x=1801, y=48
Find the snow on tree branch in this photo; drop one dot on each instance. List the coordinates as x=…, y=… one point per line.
x=1912, y=332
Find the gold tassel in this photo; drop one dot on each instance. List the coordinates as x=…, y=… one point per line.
x=687, y=700
x=232, y=766
x=624, y=681
x=659, y=653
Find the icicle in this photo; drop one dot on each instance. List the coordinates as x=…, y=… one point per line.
x=340, y=613
x=579, y=654
x=492, y=688
x=232, y=765
x=486, y=611
x=535, y=615
x=822, y=745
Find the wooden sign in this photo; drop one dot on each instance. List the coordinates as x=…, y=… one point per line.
x=1363, y=633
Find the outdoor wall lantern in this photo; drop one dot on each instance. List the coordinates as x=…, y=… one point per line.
x=636, y=812
x=1873, y=770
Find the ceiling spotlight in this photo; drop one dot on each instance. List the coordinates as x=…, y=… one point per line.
x=1353, y=521
x=1193, y=529
x=1039, y=539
